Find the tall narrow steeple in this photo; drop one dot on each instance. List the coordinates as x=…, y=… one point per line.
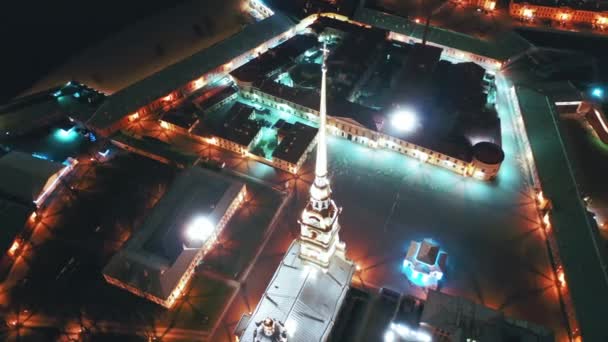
x=320, y=191
x=319, y=225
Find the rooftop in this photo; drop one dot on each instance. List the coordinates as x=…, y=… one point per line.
x=139, y=94
x=275, y=58
x=148, y=145
x=237, y=125
x=23, y=177
x=213, y=97
x=184, y=116
x=306, y=299
x=72, y=99
x=13, y=217
x=296, y=141
x=583, y=257
x=311, y=99
x=462, y=319
x=499, y=47
x=155, y=258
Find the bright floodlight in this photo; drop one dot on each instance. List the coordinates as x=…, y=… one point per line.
x=389, y=336
x=200, y=229
x=404, y=120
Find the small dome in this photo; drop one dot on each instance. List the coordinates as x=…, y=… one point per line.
x=488, y=153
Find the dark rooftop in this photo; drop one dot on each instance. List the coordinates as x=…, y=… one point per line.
x=499, y=47
x=293, y=145
x=236, y=125
x=154, y=259
x=577, y=237
x=488, y=153
x=139, y=94
x=184, y=200
x=210, y=99
x=275, y=59
x=184, y=116
x=457, y=316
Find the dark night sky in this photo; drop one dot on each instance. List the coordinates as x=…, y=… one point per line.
x=40, y=35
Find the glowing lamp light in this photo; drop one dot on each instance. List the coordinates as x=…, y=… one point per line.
x=200, y=229
x=540, y=197
x=14, y=247
x=168, y=98
x=389, y=336
x=597, y=92
x=564, y=16
x=561, y=277
x=199, y=83
x=134, y=116
x=423, y=156
x=528, y=13
x=65, y=135
x=404, y=120
x=104, y=153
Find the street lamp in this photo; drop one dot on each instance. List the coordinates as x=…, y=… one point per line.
x=404, y=120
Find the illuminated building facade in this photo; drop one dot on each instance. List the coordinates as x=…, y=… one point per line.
x=487, y=5
x=307, y=290
x=160, y=258
x=530, y=12
x=345, y=127
x=258, y=9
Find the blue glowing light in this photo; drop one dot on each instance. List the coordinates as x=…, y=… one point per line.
x=66, y=136
x=417, y=278
x=57, y=93
x=597, y=92
x=76, y=95
x=92, y=137
x=104, y=153
x=40, y=156
x=419, y=272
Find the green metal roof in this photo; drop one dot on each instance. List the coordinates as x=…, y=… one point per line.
x=580, y=250
x=139, y=94
x=500, y=47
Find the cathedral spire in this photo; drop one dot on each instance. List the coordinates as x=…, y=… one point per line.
x=320, y=191
x=319, y=236
x=321, y=165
